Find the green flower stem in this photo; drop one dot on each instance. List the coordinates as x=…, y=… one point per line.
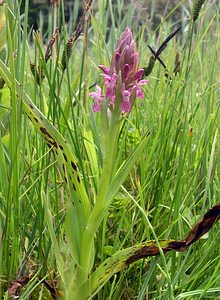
x=101, y=204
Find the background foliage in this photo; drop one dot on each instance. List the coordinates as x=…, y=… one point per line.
x=175, y=178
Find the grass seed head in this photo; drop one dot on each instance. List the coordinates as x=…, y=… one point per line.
x=197, y=7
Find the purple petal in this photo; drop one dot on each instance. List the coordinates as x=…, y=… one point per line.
x=142, y=82
x=126, y=69
x=93, y=94
x=138, y=75
x=96, y=107
x=97, y=94
x=107, y=78
x=126, y=106
x=124, y=43
x=114, y=77
x=104, y=69
x=140, y=93
x=98, y=90
x=117, y=57
x=109, y=93
x=112, y=99
x=122, y=61
x=115, y=64
x=135, y=60
x=129, y=53
x=126, y=36
x=125, y=94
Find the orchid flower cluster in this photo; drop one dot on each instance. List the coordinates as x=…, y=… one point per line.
x=123, y=80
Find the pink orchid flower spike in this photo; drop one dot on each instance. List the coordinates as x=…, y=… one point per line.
x=123, y=80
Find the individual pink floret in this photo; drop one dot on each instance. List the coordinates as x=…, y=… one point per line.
x=98, y=98
x=126, y=105
x=139, y=92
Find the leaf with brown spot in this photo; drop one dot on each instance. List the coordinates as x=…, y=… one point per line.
x=123, y=258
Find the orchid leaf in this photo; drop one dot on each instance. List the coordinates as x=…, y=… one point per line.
x=123, y=258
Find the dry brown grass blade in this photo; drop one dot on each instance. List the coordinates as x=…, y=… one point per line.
x=198, y=230
x=203, y=225
x=50, y=45
x=18, y=284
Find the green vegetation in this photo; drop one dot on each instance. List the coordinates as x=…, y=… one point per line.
x=80, y=194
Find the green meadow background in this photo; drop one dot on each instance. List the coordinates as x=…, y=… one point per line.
x=174, y=180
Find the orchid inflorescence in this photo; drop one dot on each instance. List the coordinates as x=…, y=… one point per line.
x=123, y=80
